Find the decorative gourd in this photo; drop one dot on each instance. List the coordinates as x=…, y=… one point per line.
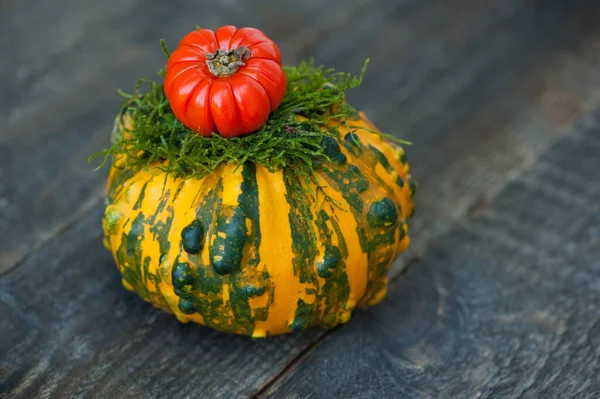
x=233, y=250
x=285, y=217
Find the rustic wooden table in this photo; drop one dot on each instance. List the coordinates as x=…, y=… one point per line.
x=500, y=294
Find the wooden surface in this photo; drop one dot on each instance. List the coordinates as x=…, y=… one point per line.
x=501, y=295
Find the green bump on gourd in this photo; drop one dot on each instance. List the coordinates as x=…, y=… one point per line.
x=303, y=316
x=400, y=181
x=187, y=306
x=332, y=150
x=330, y=261
x=192, y=237
x=323, y=270
x=111, y=220
x=227, y=248
x=181, y=275
x=413, y=185
x=382, y=213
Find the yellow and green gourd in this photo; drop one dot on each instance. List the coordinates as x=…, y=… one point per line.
x=235, y=250
x=293, y=225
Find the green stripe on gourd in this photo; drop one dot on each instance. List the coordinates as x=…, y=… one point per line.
x=332, y=150
x=205, y=295
x=243, y=287
x=129, y=255
x=228, y=239
x=335, y=291
x=161, y=230
x=140, y=199
x=304, y=246
x=379, y=249
x=381, y=158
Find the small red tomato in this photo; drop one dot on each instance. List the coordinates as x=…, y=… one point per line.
x=226, y=81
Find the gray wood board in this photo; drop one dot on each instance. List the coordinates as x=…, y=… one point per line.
x=505, y=305
x=481, y=90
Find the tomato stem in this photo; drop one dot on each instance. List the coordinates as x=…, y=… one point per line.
x=223, y=63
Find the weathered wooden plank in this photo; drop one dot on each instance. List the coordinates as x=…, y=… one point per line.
x=79, y=355
x=505, y=305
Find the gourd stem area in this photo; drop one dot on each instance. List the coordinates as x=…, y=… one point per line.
x=223, y=63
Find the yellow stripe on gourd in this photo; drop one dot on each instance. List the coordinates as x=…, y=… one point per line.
x=357, y=259
x=276, y=255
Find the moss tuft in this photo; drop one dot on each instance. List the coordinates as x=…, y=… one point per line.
x=293, y=139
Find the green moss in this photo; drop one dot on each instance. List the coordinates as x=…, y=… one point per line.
x=292, y=135
x=292, y=139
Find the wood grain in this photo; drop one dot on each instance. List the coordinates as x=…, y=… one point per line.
x=476, y=92
x=505, y=305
